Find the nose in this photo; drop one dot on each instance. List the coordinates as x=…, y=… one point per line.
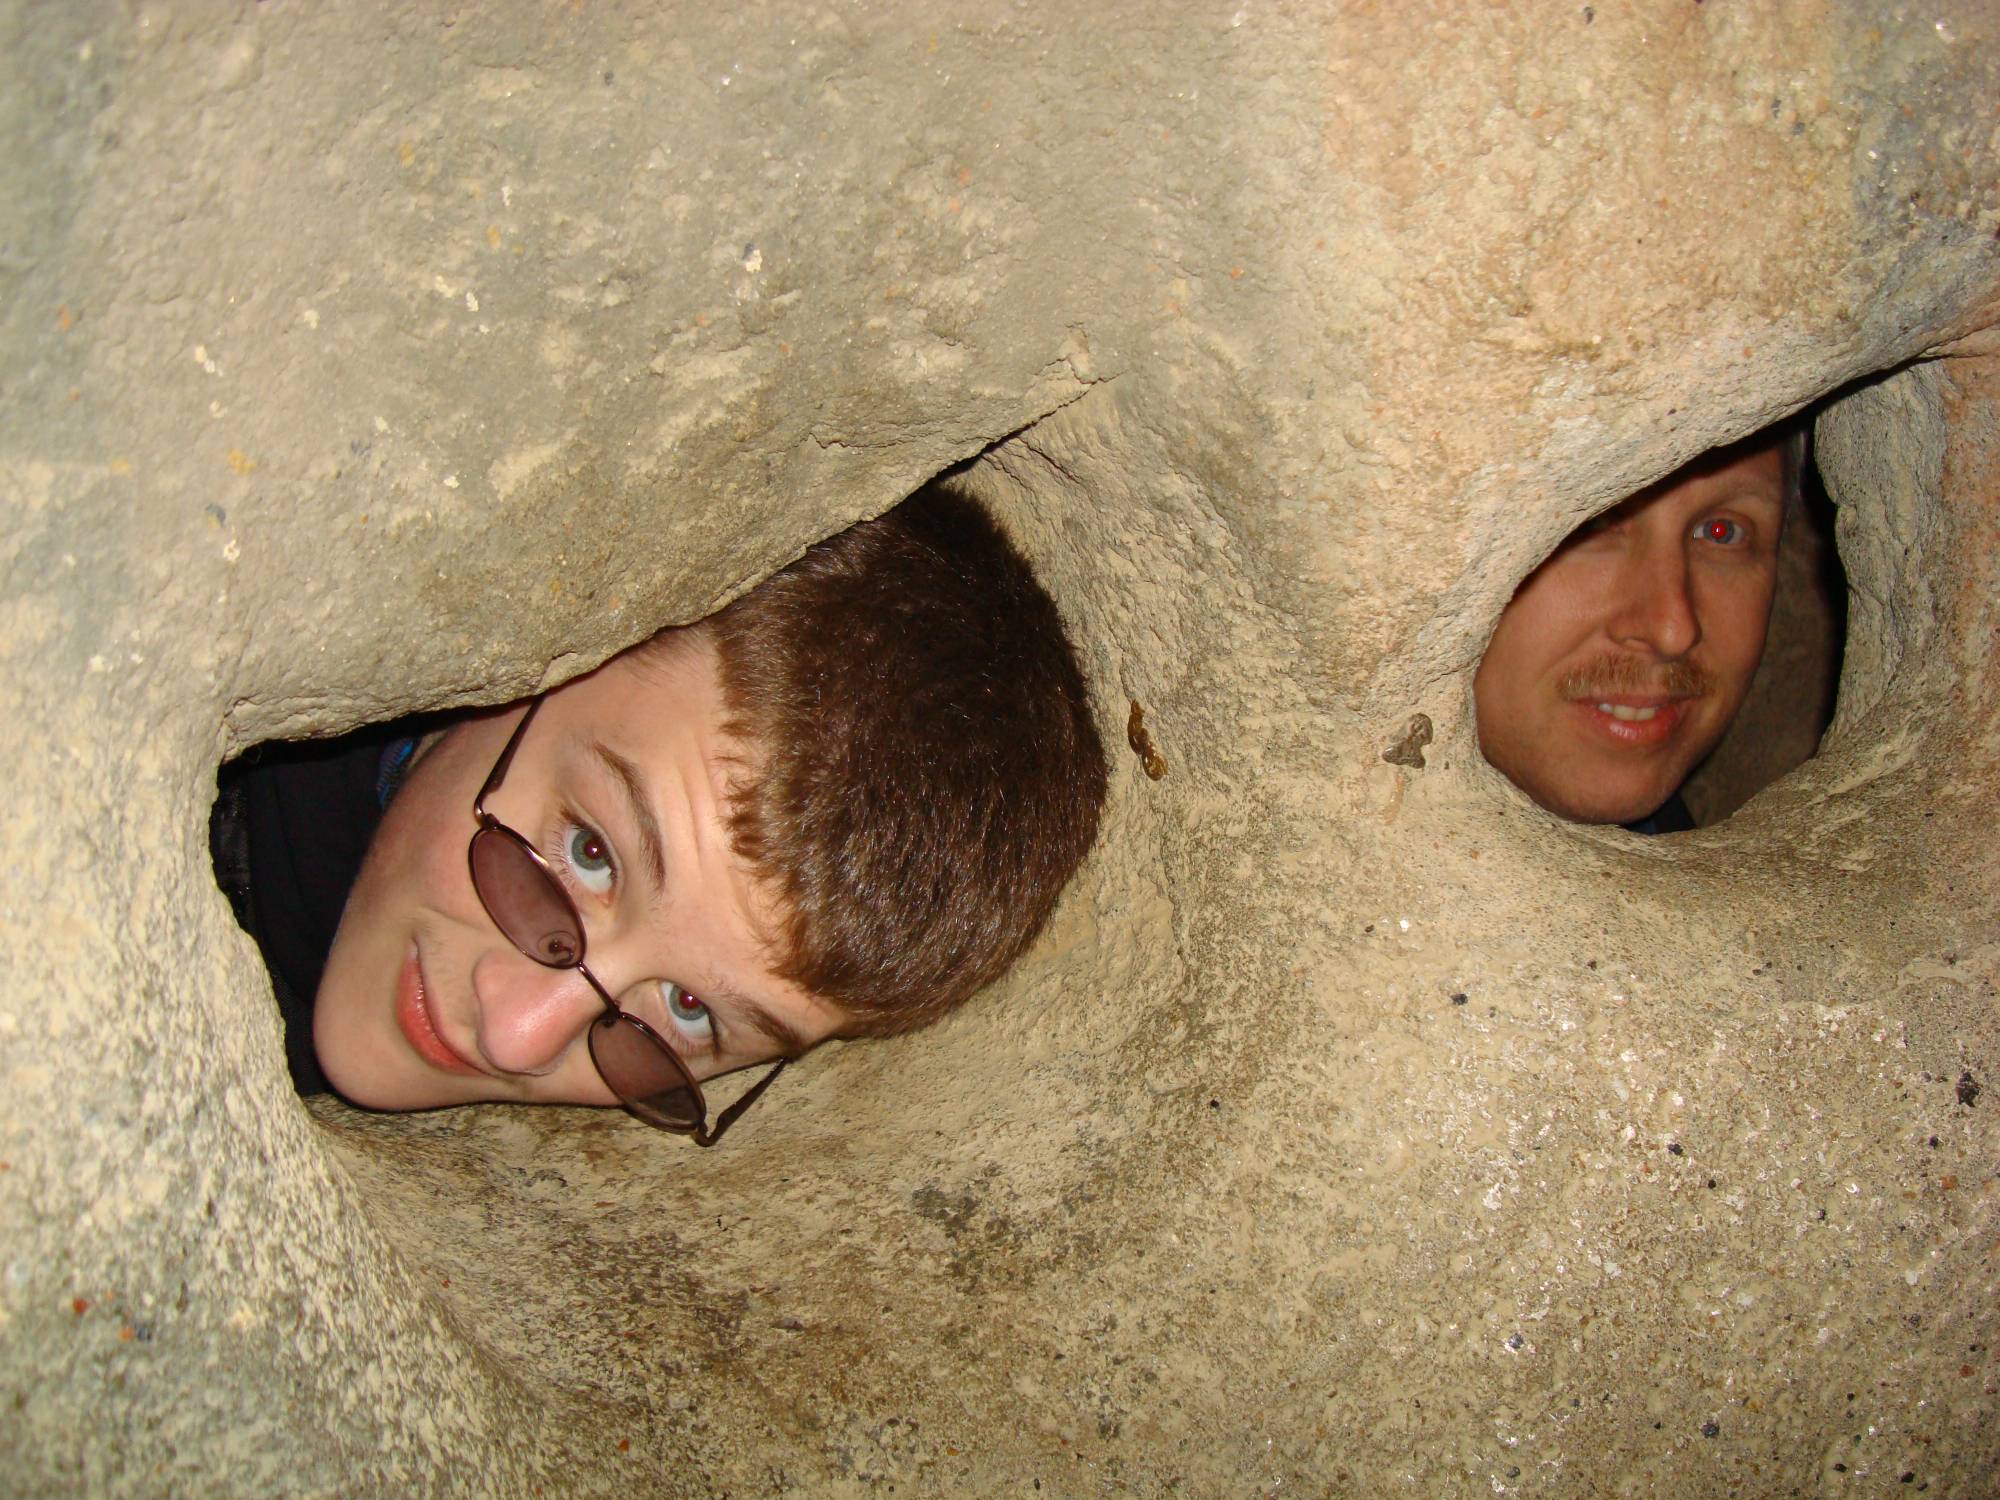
x=1657, y=613
x=530, y=1015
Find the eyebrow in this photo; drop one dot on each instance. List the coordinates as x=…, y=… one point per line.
x=771, y=1025
x=641, y=808
x=767, y=1023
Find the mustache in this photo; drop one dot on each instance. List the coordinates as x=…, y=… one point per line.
x=1624, y=674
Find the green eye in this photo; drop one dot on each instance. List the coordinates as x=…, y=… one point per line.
x=588, y=856
x=688, y=1019
x=684, y=1008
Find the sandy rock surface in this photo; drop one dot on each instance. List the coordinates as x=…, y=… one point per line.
x=1357, y=1128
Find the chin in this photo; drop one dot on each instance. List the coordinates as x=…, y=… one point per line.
x=1617, y=816
x=364, y=1068
x=354, y=1080
x=393, y=1095
x=1602, y=810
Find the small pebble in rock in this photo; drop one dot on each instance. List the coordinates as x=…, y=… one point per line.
x=1710, y=1429
x=1141, y=740
x=1408, y=750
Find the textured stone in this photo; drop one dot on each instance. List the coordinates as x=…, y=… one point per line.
x=1357, y=1127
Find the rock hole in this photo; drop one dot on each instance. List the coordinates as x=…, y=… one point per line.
x=839, y=806
x=1678, y=651
x=1851, y=656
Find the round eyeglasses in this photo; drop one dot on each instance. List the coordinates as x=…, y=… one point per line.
x=528, y=903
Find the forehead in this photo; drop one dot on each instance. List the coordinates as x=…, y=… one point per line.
x=648, y=699
x=661, y=710
x=1734, y=476
x=655, y=721
x=1751, y=473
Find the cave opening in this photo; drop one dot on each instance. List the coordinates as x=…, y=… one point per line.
x=1678, y=651
x=836, y=808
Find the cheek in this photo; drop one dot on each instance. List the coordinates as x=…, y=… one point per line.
x=1736, y=628
x=1524, y=648
x=1554, y=613
x=435, y=876
x=416, y=861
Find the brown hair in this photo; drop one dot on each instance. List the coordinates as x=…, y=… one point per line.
x=922, y=775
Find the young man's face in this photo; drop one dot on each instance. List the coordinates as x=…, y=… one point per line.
x=1624, y=657
x=619, y=782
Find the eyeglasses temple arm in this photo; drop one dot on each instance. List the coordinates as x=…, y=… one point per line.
x=729, y=1116
x=506, y=759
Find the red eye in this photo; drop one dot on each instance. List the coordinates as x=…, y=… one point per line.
x=1720, y=529
x=684, y=1007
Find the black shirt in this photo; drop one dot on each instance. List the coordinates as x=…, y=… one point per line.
x=290, y=827
x=1671, y=816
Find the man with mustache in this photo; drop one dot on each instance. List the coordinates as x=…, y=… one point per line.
x=1622, y=660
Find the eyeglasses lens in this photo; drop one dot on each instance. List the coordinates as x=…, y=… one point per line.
x=523, y=899
x=535, y=915
x=644, y=1074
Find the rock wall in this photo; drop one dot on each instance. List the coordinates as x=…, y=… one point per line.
x=1357, y=1128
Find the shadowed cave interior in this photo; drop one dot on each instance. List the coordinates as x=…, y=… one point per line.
x=1792, y=697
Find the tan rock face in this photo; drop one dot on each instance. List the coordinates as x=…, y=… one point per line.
x=1357, y=1127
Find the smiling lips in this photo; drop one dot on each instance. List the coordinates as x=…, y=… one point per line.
x=419, y=1027
x=1638, y=724
x=1632, y=704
